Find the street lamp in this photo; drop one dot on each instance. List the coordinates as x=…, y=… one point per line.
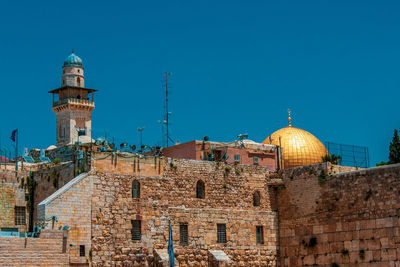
x=162, y=123
x=141, y=137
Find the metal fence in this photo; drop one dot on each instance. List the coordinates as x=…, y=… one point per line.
x=350, y=155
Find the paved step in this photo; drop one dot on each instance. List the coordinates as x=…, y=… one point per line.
x=33, y=252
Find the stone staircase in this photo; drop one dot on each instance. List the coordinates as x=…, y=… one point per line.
x=16, y=251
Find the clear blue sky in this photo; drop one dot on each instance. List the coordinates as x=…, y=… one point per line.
x=238, y=66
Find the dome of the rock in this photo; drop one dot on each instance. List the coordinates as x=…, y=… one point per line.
x=299, y=147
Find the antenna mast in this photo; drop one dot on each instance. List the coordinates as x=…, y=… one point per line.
x=167, y=113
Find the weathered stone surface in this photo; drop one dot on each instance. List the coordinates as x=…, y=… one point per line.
x=168, y=191
x=353, y=216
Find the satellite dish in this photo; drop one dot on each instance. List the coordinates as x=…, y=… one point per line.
x=123, y=145
x=243, y=136
x=206, y=138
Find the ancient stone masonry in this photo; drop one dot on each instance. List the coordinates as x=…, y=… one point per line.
x=50, y=178
x=328, y=218
x=13, y=212
x=11, y=197
x=25, y=190
x=168, y=191
x=71, y=207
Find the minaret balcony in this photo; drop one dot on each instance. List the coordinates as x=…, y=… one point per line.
x=74, y=101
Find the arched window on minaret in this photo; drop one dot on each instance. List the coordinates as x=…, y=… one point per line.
x=78, y=81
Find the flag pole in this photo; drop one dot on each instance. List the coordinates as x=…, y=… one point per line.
x=16, y=152
x=171, y=255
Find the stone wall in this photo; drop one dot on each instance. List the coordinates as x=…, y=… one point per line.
x=12, y=194
x=329, y=218
x=33, y=252
x=71, y=206
x=49, y=178
x=168, y=191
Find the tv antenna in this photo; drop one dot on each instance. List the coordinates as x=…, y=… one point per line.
x=167, y=113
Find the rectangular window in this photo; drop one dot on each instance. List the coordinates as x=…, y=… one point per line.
x=255, y=160
x=82, y=250
x=260, y=234
x=183, y=234
x=136, y=230
x=221, y=233
x=236, y=158
x=20, y=215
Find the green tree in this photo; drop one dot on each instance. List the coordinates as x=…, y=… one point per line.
x=394, y=149
x=382, y=163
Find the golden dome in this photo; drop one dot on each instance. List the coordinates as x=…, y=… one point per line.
x=299, y=146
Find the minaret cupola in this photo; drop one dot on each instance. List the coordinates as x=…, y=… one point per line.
x=73, y=71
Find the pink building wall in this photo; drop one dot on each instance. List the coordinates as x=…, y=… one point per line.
x=194, y=150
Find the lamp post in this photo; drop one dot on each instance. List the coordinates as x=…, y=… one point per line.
x=141, y=137
x=162, y=123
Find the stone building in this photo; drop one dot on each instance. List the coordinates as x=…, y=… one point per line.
x=222, y=213
x=226, y=214
x=239, y=152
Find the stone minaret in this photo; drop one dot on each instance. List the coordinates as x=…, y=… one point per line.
x=72, y=105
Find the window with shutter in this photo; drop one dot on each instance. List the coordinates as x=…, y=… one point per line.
x=20, y=215
x=260, y=234
x=221, y=233
x=256, y=199
x=200, y=189
x=136, y=230
x=82, y=250
x=135, y=189
x=183, y=233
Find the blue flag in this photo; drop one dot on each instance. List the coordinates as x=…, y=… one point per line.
x=171, y=247
x=13, y=134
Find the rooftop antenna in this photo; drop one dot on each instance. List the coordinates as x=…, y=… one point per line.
x=167, y=113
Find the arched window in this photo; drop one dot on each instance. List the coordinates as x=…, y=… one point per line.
x=200, y=189
x=135, y=189
x=256, y=199
x=78, y=80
